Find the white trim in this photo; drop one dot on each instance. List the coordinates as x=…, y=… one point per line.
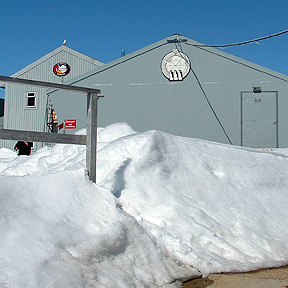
x=33, y=95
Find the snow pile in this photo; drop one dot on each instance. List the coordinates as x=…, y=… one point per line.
x=164, y=208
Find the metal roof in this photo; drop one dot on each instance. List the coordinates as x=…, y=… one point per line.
x=183, y=41
x=52, y=53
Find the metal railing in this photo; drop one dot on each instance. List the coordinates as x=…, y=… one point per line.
x=90, y=140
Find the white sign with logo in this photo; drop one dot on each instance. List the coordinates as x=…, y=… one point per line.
x=175, y=65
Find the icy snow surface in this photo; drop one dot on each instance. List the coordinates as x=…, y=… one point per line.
x=165, y=208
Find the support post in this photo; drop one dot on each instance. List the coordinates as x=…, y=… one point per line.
x=91, y=139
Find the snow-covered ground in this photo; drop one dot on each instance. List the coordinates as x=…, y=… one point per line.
x=165, y=208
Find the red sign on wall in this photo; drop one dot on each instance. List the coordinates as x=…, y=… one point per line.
x=70, y=123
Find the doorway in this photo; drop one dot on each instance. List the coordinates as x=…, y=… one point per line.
x=259, y=119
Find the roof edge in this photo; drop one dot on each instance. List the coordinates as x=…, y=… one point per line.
x=177, y=38
x=55, y=51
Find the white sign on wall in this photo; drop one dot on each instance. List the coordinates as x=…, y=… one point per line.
x=175, y=65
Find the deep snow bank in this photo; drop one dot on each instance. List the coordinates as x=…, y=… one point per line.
x=61, y=230
x=161, y=203
x=213, y=206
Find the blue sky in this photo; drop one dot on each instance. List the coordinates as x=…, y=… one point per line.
x=102, y=29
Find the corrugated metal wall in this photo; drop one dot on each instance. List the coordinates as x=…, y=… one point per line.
x=20, y=117
x=44, y=70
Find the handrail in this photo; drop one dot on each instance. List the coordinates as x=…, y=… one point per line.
x=90, y=140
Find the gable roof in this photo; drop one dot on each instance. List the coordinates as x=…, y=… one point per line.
x=62, y=48
x=176, y=38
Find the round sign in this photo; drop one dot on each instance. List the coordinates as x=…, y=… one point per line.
x=61, y=69
x=175, y=65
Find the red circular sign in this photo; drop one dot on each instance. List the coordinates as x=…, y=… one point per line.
x=61, y=69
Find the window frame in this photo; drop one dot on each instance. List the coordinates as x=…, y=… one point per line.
x=31, y=96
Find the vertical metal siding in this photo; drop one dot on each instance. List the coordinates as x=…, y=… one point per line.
x=18, y=115
x=44, y=70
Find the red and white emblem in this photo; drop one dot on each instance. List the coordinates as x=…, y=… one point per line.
x=61, y=69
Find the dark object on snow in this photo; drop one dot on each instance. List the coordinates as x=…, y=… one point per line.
x=23, y=147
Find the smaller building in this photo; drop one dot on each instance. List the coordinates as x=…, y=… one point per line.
x=29, y=108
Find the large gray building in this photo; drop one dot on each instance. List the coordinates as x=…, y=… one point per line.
x=182, y=87
x=29, y=108
x=175, y=85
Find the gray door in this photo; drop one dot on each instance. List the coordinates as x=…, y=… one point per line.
x=259, y=121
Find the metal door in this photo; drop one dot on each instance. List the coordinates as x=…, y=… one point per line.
x=259, y=119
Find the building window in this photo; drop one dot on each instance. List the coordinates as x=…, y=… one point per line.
x=31, y=99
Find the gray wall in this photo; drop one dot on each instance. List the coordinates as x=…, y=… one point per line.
x=43, y=68
x=20, y=117
x=137, y=93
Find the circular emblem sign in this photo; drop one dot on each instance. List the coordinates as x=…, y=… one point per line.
x=61, y=69
x=175, y=65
